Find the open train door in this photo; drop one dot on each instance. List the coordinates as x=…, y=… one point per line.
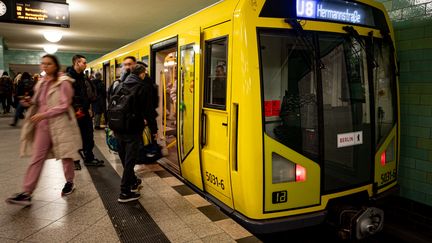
x=215, y=112
x=188, y=108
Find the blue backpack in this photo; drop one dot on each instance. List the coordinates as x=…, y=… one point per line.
x=111, y=140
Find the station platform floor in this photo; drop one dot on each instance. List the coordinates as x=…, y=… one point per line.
x=168, y=211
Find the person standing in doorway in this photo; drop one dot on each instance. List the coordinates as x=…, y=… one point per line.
x=81, y=103
x=51, y=128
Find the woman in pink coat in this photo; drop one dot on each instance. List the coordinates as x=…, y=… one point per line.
x=50, y=129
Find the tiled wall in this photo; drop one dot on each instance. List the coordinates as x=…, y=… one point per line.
x=33, y=57
x=412, y=21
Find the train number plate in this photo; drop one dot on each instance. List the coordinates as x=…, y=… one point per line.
x=279, y=197
x=388, y=176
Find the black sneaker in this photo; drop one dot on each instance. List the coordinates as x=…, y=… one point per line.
x=94, y=162
x=68, y=188
x=77, y=165
x=128, y=197
x=137, y=186
x=22, y=198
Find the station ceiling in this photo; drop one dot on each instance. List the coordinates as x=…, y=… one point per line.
x=100, y=26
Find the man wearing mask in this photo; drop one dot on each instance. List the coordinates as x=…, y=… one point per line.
x=81, y=103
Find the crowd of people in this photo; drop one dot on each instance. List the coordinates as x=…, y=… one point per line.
x=61, y=110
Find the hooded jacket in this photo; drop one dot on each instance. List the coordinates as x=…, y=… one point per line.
x=143, y=101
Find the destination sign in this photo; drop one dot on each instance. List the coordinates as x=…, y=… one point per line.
x=38, y=12
x=335, y=11
x=42, y=13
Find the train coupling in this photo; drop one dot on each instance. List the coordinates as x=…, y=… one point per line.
x=359, y=223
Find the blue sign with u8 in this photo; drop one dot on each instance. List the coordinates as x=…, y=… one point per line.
x=341, y=11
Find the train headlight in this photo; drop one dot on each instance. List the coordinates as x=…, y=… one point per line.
x=283, y=170
x=388, y=154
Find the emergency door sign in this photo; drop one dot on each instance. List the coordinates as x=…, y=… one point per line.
x=349, y=139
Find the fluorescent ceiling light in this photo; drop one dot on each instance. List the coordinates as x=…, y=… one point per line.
x=53, y=35
x=50, y=48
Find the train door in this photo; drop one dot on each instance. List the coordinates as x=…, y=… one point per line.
x=165, y=74
x=215, y=114
x=188, y=118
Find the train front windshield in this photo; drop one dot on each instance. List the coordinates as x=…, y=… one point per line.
x=319, y=99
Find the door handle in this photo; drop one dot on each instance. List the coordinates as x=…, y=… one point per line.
x=203, y=129
x=224, y=124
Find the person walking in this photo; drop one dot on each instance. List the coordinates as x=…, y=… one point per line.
x=51, y=128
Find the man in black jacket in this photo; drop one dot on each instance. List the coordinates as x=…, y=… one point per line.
x=81, y=103
x=130, y=140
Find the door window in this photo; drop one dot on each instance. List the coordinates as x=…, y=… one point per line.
x=384, y=90
x=186, y=99
x=346, y=110
x=215, y=76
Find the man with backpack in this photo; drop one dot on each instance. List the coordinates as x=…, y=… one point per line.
x=85, y=93
x=129, y=109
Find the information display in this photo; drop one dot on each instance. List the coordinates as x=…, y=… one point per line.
x=37, y=12
x=335, y=11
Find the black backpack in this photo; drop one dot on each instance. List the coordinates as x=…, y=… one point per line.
x=122, y=112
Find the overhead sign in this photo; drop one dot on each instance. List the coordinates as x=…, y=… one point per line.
x=36, y=12
x=335, y=11
x=349, y=139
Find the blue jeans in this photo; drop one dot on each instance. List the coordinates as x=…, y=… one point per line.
x=18, y=113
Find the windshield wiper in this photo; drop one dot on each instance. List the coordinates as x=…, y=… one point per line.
x=354, y=34
x=302, y=36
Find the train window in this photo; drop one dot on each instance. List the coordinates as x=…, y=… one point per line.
x=186, y=98
x=290, y=88
x=216, y=68
x=346, y=111
x=384, y=82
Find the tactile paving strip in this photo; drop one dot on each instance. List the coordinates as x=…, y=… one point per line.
x=131, y=220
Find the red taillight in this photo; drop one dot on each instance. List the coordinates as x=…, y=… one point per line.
x=300, y=173
x=383, y=158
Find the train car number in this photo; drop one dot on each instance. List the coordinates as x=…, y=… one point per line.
x=388, y=176
x=215, y=180
x=279, y=197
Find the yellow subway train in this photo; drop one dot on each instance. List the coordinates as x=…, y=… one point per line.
x=284, y=113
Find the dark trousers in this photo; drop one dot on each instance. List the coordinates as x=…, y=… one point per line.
x=86, y=127
x=19, y=113
x=129, y=147
x=6, y=101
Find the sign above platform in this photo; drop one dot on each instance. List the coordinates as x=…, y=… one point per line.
x=35, y=12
